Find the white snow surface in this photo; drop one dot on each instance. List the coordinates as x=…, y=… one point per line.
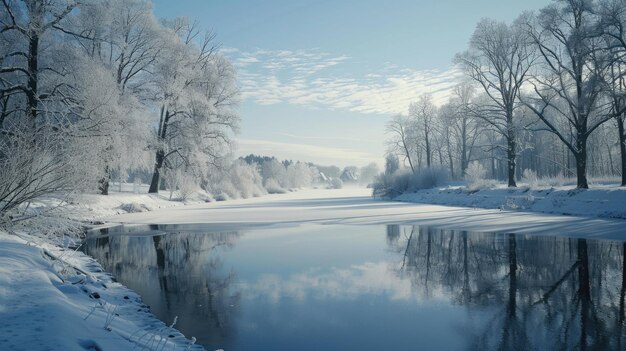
x=356, y=206
x=606, y=201
x=47, y=303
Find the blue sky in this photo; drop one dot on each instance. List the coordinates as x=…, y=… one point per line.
x=320, y=78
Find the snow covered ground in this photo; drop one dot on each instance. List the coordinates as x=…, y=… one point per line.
x=53, y=298
x=356, y=206
x=607, y=201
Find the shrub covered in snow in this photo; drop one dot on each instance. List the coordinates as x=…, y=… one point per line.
x=530, y=177
x=402, y=181
x=184, y=183
x=246, y=179
x=475, y=176
x=134, y=207
x=273, y=187
x=335, y=183
x=239, y=180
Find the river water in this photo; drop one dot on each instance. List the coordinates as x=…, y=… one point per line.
x=377, y=287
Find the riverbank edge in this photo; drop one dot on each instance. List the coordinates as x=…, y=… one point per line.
x=96, y=312
x=601, y=202
x=84, y=307
x=139, y=328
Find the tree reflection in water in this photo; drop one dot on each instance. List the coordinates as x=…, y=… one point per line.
x=177, y=275
x=551, y=292
x=515, y=292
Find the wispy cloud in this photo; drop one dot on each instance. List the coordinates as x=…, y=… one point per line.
x=304, y=77
x=295, y=151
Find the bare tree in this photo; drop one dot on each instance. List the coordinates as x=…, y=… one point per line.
x=569, y=83
x=422, y=113
x=463, y=126
x=35, y=83
x=498, y=59
x=27, y=22
x=612, y=26
x=401, y=141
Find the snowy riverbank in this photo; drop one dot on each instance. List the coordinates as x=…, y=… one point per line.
x=56, y=298
x=53, y=297
x=604, y=201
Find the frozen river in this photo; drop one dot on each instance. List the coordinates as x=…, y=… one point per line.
x=346, y=272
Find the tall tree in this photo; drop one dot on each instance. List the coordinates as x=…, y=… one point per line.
x=498, y=59
x=402, y=141
x=568, y=85
x=613, y=26
x=197, y=93
x=462, y=122
x=423, y=113
x=125, y=37
x=26, y=23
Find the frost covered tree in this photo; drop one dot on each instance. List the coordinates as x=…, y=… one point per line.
x=499, y=59
x=25, y=25
x=36, y=87
x=613, y=27
x=422, y=113
x=195, y=89
x=463, y=128
x=403, y=140
x=124, y=37
x=568, y=85
x=368, y=172
x=274, y=173
x=80, y=82
x=299, y=174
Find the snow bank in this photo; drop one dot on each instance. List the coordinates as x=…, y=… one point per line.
x=53, y=298
x=607, y=201
x=356, y=206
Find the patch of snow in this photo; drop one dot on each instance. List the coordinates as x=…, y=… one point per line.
x=606, y=201
x=54, y=298
x=356, y=206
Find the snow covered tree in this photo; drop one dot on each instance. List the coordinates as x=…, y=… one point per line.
x=368, y=172
x=568, y=85
x=498, y=59
x=196, y=91
x=36, y=88
x=422, y=113
x=403, y=140
x=613, y=26
x=299, y=174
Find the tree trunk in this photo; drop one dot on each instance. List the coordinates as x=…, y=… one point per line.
x=33, y=70
x=464, y=160
x=428, y=151
x=511, y=161
x=622, y=147
x=450, y=159
x=581, y=163
x=440, y=157
x=160, y=154
x=103, y=183
x=156, y=174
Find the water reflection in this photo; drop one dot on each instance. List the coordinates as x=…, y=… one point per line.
x=551, y=292
x=177, y=275
x=339, y=287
